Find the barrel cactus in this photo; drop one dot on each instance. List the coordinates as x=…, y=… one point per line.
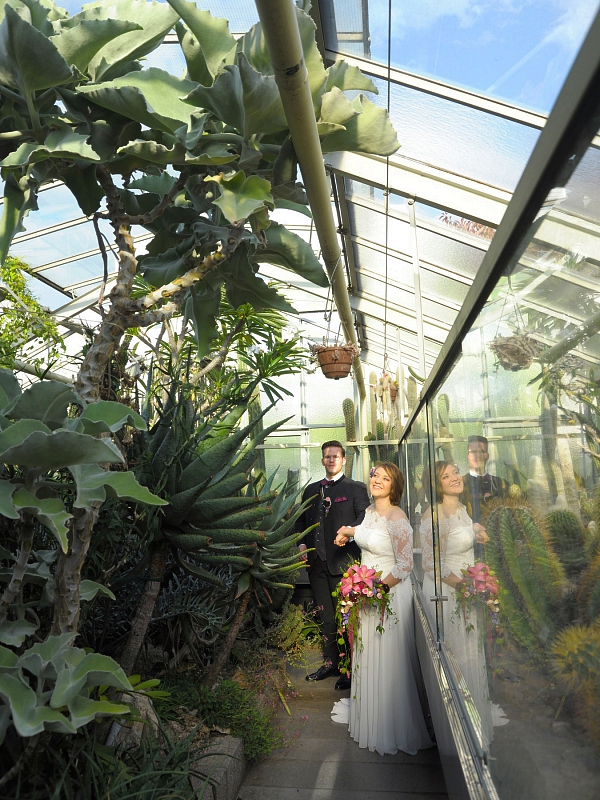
x=568, y=541
x=528, y=570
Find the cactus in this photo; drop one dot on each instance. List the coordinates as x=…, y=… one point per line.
x=349, y=419
x=373, y=457
x=412, y=393
x=538, y=493
x=529, y=572
x=588, y=596
x=373, y=400
x=575, y=654
x=568, y=540
x=548, y=425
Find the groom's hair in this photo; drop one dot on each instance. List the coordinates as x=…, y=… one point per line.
x=333, y=443
x=397, y=478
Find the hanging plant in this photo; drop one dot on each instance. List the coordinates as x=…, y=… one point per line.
x=335, y=360
x=515, y=353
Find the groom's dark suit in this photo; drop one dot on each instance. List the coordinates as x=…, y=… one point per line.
x=348, y=501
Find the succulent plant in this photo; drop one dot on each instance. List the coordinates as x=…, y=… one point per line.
x=568, y=540
x=529, y=572
x=575, y=654
x=349, y=419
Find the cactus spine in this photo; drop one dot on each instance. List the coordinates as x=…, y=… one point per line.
x=350, y=421
x=529, y=572
x=568, y=540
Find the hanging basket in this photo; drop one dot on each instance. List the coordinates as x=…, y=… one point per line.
x=335, y=360
x=514, y=353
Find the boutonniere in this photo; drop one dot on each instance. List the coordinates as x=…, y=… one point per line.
x=326, y=505
x=340, y=499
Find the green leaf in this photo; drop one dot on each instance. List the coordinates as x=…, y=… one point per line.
x=243, y=584
x=153, y=152
x=336, y=108
x=369, y=132
x=14, y=632
x=19, y=199
x=7, y=509
x=89, y=589
x=291, y=206
x=242, y=196
x=162, y=269
x=29, y=61
x=202, y=308
x=84, y=710
x=224, y=99
x=49, y=511
x=81, y=181
x=156, y=184
x=347, y=78
x=262, y=103
x=80, y=43
x=151, y=97
x=211, y=34
x=53, y=650
x=10, y=389
x=156, y=20
x=95, y=483
x=60, y=449
x=93, y=669
x=46, y=401
x=29, y=718
x=8, y=659
x=32, y=11
x=107, y=416
x=244, y=286
x=19, y=431
x=288, y=250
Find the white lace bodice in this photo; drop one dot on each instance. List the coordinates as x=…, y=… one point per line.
x=456, y=542
x=385, y=545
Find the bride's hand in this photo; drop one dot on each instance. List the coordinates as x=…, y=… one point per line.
x=481, y=536
x=343, y=535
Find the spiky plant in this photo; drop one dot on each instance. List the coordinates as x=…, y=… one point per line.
x=575, y=654
x=350, y=421
x=568, y=540
x=520, y=553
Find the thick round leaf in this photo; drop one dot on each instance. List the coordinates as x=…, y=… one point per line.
x=242, y=196
x=109, y=416
x=10, y=389
x=19, y=199
x=29, y=61
x=29, y=718
x=84, y=710
x=346, y=78
x=224, y=99
x=370, y=131
x=212, y=35
x=47, y=401
x=60, y=449
x=89, y=589
x=80, y=43
x=95, y=483
x=49, y=511
x=17, y=432
x=14, y=631
x=242, y=285
x=288, y=250
x=263, y=109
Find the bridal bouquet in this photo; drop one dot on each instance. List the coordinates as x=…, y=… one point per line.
x=360, y=587
x=478, y=587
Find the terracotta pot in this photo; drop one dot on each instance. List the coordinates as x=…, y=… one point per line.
x=334, y=362
x=393, y=393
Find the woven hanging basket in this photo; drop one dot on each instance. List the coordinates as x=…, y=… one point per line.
x=335, y=360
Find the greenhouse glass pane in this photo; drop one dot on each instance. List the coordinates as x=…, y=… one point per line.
x=369, y=224
x=61, y=244
x=445, y=252
x=77, y=271
x=168, y=57
x=520, y=53
x=55, y=206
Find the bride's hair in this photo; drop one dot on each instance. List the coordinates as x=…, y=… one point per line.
x=397, y=478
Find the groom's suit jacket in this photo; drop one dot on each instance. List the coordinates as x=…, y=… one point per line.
x=349, y=499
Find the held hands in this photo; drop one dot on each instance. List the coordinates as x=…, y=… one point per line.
x=481, y=536
x=302, y=552
x=344, y=534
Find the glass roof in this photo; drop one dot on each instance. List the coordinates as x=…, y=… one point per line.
x=459, y=162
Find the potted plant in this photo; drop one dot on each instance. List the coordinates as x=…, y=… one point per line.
x=335, y=360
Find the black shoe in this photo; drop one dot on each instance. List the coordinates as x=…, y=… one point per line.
x=342, y=683
x=322, y=673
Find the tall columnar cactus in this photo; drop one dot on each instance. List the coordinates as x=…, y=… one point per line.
x=373, y=401
x=528, y=570
x=350, y=422
x=443, y=407
x=568, y=540
x=412, y=393
x=588, y=596
x=549, y=425
x=373, y=456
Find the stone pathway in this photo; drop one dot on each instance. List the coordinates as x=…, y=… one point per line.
x=324, y=763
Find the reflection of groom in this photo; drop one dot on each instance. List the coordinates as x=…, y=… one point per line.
x=339, y=501
x=480, y=486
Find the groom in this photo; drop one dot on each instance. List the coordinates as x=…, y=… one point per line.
x=338, y=501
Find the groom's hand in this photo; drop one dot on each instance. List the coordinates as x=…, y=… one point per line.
x=302, y=552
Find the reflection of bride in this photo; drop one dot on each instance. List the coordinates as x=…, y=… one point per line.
x=457, y=536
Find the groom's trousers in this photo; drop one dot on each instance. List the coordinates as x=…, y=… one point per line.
x=323, y=583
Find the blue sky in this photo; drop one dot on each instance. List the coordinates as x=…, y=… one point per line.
x=519, y=50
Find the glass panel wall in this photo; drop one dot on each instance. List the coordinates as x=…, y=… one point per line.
x=509, y=532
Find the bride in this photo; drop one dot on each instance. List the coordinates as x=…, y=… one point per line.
x=385, y=708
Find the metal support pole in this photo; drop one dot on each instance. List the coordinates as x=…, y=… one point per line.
x=305, y=433
x=417, y=285
x=401, y=390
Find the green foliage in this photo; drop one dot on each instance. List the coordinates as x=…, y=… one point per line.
x=24, y=325
x=568, y=541
x=588, y=595
x=529, y=573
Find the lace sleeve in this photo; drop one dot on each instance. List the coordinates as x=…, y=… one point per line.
x=427, y=546
x=402, y=544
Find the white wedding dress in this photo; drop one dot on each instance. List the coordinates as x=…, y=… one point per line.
x=456, y=553
x=385, y=713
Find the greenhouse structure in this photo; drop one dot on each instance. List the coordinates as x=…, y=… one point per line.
x=232, y=232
